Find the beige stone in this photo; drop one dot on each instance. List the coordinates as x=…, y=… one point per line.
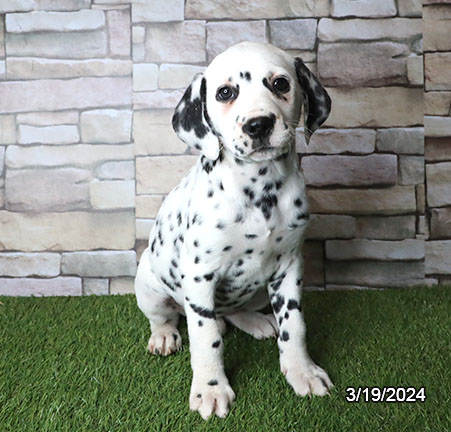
x=160, y=99
x=16, y=6
x=112, y=194
x=55, y=21
x=157, y=10
x=441, y=223
x=401, y=141
x=437, y=71
x=120, y=286
x=174, y=76
x=435, y=126
x=415, y=70
x=119, y=31
x=60, y=134
x=368, y=170
x=221, y=35
x=143, y=227
x=153, y=133
x=48, y=118
x=39, y=190
x=122, y=170
x=145, y=77
x=332, y=30
x=147, y=206
x=106, y=126
x=18, y=264
x=7, y=129
x=67, y=231
x=393, y=200
x=99, y=263
x=161, y=174
x=75, y=155
x=436, y=19
x=437, y=103
x=438, y=149
x=181, y=42
x=95, y=286
x=32, y=287
x=411, y=170
x=34, y=68
x=359, y=249
x=285, y=34
x=438, y=257
x=380, y=107
x=362, y=64
x=386, y=227
x=365, y=8
x=438, y=180
x=313, y=253
x=322, y=227
x=336, y=141
x=410, y=8
x=236, y=9
x=50, y=95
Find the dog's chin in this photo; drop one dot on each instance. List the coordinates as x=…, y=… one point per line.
x=267, y=153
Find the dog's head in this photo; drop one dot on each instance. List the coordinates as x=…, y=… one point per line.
x=249, y=100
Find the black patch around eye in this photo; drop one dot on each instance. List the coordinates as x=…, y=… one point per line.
x=281, y=85
x=267, y=85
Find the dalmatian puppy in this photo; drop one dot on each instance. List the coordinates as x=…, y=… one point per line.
x=226, y=241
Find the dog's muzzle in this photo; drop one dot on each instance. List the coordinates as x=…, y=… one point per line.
x=259, y=128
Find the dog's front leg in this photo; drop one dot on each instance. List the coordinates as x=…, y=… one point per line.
x=301, y=372
x=210, y=389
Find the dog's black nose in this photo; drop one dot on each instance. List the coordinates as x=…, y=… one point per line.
x=259, y=127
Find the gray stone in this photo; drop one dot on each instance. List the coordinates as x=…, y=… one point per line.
x=2, y=38
x=58, y=5
x=401, y=141
x=123, y=170
x=438, y=257
x=411, y=170
x=18, y=264
x=7, y=129
x=106, y=126
x=420, y=197
x=285, y=34
x=112, y=194
x=16, y=6
x=31, y=287
x=323, y=227
x=438, y=180
x=95, y=286
x=60, y=134
x=2, y=159
x=174, y=76
x=157, y=10
x=313, y=253
x=386, y=227
x=160, y=99
x=362, y=64
x=119, y=32
x=365, y=8
x=48, y=118
x=145, y=77
x=143, y=228
x=368, y=170
x=415, y=73
x=41, y=190
x=435, y=126
x=441, y=223
x=99, y=263
x=410, y=8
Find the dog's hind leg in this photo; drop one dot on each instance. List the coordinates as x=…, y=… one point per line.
x=160, y=309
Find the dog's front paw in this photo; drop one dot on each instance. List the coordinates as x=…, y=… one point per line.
x=165, y=340
x=214, y=396
x=310, y=379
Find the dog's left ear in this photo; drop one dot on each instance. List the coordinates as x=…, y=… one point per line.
x=316, y=100
x=191, y=122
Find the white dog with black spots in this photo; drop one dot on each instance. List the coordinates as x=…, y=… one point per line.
x=226, y=241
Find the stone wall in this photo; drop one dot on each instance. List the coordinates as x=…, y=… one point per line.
x=87, y=153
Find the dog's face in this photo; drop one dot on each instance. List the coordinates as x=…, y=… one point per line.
x=249, y=100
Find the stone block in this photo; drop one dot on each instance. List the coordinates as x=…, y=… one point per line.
x=313, y=253
x=323, y=227
x=160, y=99
x=153, y=133
x=112, y=194
x=57, y=5
x=32, y=287
x=60, y=134
x=386, y=227
x=120, y=286
x=2, y=38
x=437, y=103
x=79, y=155
x=95, y=286
x=411, y=170
x=123, y=170
x=138, y=34
x=441, y=223
x=106, y=126
x=82, y=20
x=236, y=9
x=158, y=175
x=435, y=126
x=2, y=69
x=39, y=190
x=18, y=264
x=438, y=149
x=395, y=29
x=119, y=32
x=51, y=95
x=143, y=228
x=363, y=8
x=67, y=231
x=362, y=64
x=16, y=6
x=379, y=250
x=48, y=118
x=375, y=273
x=376, y=107
x=99, y=263
x=438, y=257
x=2, y=161
x=157, y=10
x=437, y=71
x=401, y=141
x=421, y=198
x=410, y=8
x=436, y=20
x=336, y=141
x=181, y=42
x=415, y=70
x=285, y=34
x=7, y=129
x=147, y=206
x=438, y=180
x=386, y=201
x=145, y=76
x=368, y=170
x=35, y=68
x=174, y=76
x=221, y=35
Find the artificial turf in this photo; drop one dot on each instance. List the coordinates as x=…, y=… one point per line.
x=80, y=364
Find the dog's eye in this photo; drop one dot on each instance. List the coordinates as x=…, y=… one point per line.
x=225, y=93
x=281, y=85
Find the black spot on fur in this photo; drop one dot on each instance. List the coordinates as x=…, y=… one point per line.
x=249, y=251
x=284, y=336
x=250, y=236
x=205, y=313
x=212, y=382
x=216, y=344
x=220, y=225
x=263, y=171
x=292, y=304
x=278, y=303
x=298, y=202
x=208, y=277
x=200, y=323
x=227, y=248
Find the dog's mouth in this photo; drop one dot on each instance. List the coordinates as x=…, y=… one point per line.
x=268, y=152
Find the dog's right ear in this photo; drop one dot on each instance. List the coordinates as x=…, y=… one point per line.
x=191, y=122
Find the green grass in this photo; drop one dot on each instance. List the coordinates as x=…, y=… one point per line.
x=80, y=364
